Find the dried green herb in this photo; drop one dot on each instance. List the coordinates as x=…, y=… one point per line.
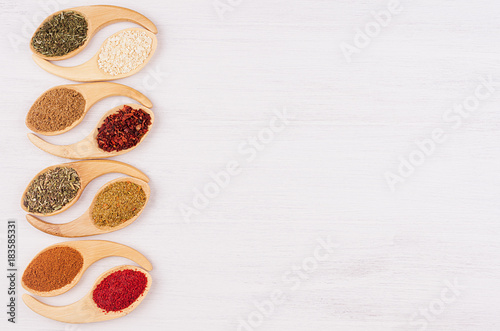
x=118, y=203
x=52, y=190
x=61, y=34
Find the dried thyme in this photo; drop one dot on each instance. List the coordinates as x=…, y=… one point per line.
x=52, y=190
x=61, y=34
x=118, y=203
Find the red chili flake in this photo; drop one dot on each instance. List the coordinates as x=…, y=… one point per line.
x=123, y=130
x=119, y=290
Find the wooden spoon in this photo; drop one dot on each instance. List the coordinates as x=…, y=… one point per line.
x=93, y=92
x=88, y=147
x=90, y=71
x=92, y=251
x=84, y=225
x=98, y=17
x=88, y=170
x=86, y=310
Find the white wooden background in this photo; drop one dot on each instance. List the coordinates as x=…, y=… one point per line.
x=424, y=257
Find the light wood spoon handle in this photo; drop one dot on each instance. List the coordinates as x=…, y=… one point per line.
x=77, y=312
x=94, y=250
x=93, y=92
x=79, y=150
x=76, y=73
x=71, y=229
x=103, y=15
x=89, y=170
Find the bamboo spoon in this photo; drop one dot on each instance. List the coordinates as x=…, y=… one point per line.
x=92, y=93
x=90, y=71
x=98, y=17
x=92, y=251
x=88, y=147
x=87, y=171
x=84, y=225
x=86, y=310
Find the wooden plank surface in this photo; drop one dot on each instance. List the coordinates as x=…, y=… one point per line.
x=301, y=139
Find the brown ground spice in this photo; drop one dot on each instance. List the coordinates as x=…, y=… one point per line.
x=53, y=269
x=56, y=110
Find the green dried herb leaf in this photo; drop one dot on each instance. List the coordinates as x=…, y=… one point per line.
x=61, y=34
x=52, y=190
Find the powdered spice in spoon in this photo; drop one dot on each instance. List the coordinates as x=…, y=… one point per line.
x=55, y=110
x=119, y=290
x=118, y=203
x=53, y=269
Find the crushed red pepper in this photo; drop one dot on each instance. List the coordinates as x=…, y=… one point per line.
x=119, y=290
x=123, y=130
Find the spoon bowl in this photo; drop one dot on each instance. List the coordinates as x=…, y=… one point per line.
x=92, y=93
x=97, y=17
x=88, y=171
x=90, y=71
x=92, y=251
x=84, y=225
x=86, y=310
x=88, y=147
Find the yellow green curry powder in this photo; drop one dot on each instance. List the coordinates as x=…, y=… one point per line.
x=118, y=203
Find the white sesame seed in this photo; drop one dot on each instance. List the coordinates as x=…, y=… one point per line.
x=124, y=52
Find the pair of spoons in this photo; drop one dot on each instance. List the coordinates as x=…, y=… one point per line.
x=88, y=148
x=97, y=17
x=85, y=310
x=87, y=171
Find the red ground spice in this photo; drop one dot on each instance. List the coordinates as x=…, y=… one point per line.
x=123, y=130
x=119, y=290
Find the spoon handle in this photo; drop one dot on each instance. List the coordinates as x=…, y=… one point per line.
x=85, y=72
x=80, y=150
x=103, y=15
x=80, y=227
x=82, y=311
x=92, y=169
x=94, y=250
x=97, y=91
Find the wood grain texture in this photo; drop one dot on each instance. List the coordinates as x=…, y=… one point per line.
x=215, y=83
